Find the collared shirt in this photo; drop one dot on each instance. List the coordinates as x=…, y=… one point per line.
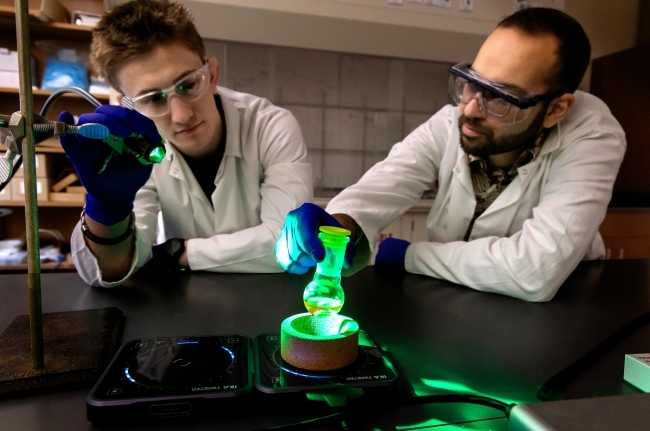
x=489, y=181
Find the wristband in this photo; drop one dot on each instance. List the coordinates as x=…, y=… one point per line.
x=106, y=241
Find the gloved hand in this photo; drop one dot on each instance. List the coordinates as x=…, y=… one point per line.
x=166, y=256
x=111, y=193
x=392, y=251
x=299, y=247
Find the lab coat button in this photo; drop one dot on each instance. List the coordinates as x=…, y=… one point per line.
x=175, y=171
x=457, y=170
x=524, y=171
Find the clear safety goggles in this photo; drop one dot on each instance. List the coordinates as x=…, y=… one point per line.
x=156, y=103
x=507, y=104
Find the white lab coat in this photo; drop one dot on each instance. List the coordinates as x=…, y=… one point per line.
x=264, y=174
x=534, y=234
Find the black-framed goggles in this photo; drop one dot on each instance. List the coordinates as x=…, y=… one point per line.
x=509, y=104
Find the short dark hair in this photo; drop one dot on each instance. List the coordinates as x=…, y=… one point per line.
x=137, y=27
x=574, y=49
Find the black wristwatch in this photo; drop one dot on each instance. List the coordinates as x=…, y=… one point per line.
x=166, y=255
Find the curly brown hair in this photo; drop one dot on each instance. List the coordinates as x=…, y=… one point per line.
x=137, y=27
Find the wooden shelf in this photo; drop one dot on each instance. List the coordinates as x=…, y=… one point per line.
x=47, y=93
x=42, y=204
x=62, y=216
x=45, y=267
x=49, y=146
x=49, y=29
x=40, y=29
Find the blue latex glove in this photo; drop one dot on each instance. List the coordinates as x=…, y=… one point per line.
x=392, y=251
x=299, y=247
x=111, y=193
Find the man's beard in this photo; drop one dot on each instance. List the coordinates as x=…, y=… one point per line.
x=487, y=145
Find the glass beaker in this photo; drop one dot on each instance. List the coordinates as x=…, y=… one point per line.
x=324, y=295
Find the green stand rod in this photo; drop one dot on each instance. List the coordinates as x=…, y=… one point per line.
x=31, y=204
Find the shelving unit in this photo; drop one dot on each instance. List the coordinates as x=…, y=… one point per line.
x=62, y=216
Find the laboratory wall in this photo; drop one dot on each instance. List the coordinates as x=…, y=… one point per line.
x=438, y=30
x=351, y=108
x=359, y=75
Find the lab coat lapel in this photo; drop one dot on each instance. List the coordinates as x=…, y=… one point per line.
x=462, y=197
x=190, y=186
x=462, y=173
x=235, y=126
x=180, y=170
x=226, y=179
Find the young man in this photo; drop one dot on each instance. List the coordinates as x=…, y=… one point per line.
x=525, y=166
x=235, y=165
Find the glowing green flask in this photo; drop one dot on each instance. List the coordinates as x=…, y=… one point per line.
x=324, y=295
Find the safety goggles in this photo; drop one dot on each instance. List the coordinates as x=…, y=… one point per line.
x=156, y=103
x=506, y=103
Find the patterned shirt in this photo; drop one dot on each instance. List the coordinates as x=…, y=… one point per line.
x=489, y=181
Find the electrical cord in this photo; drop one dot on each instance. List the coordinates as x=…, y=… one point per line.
x=44, y=110
x=543, y=392
x=63, y=90
x=342, y=416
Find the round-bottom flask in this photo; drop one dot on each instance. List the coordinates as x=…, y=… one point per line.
x=324, y=295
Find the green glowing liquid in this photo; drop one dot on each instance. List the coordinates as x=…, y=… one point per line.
x=324, y=294
x=321, y=306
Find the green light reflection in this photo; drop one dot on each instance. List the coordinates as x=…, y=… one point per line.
x=157, y=154
x=282, y=250
x=482, y=424
x=455, y=387
x=466, y=416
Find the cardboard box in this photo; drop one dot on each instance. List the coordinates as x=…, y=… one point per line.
x=9, y=76
x=75, y=189
x=8, y=60
x=68, y=197
x=49, y=10
x=42, y=189
x=9, y=79
x=64, y=182
x=44, y=10
x=9, y=69
x=41, y=167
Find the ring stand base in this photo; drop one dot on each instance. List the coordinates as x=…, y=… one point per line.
x=78, y=345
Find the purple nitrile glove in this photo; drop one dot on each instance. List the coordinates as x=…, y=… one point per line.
x=392, y=251
x=111, y=193
x=298, y=247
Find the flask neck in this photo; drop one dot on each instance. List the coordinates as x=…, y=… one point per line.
x=334, y=255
